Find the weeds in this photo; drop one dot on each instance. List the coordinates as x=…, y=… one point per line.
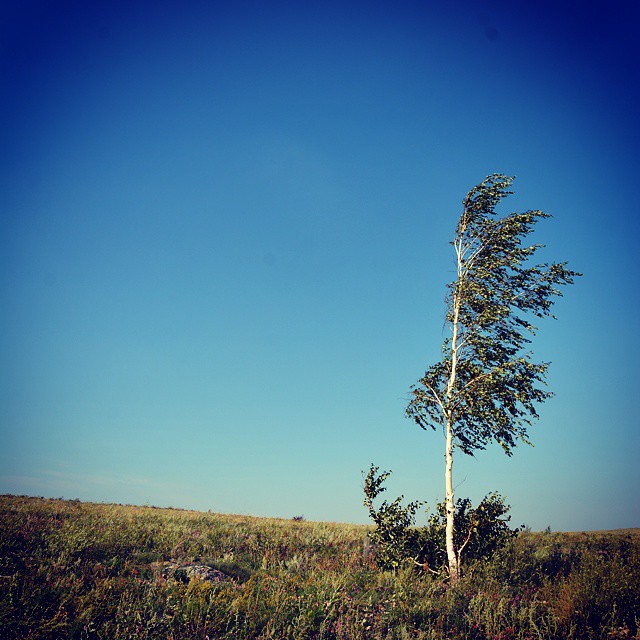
x=83, y=571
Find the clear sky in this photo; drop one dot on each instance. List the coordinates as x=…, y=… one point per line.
x=224, y=247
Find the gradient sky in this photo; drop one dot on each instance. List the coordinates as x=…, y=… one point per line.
x=224, y=247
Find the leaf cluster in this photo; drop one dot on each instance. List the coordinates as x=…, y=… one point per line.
x=495, y=386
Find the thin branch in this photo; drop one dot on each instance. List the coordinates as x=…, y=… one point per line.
x=425, y=566
x=435, y=395
x=472, y=382
x=464, y=338
x=470, y=260
x=464, y=544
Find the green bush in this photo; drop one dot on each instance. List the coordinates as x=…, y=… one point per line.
x=393, y=540
x=479, y=531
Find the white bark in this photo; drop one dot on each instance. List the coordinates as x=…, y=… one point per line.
x=452, y=556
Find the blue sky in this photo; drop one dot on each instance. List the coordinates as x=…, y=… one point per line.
x=224, y=247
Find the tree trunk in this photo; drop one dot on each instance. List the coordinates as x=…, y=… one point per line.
x=452, y=557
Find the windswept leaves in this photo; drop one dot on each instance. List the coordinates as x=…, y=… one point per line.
x=496, y=385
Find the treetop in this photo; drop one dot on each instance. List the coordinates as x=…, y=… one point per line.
x=486, y=385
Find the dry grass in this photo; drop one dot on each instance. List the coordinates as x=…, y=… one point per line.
x=80, y=570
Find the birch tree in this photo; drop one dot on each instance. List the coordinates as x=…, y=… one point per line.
x=486, y=387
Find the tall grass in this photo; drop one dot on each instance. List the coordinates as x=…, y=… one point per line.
x=81, y=570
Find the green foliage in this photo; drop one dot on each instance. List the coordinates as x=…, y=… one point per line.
x=392, y=538
x=479, y=532
x=85, y=571
x=486, y=386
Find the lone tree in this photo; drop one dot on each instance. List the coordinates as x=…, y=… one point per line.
x=486, y=386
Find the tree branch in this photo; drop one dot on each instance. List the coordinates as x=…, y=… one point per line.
x=435, y=395
x=464, y=544
x=425, y=565
x=470, y=383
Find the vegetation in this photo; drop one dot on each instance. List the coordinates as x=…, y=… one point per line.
x=486, y=386
x=79, y=570
x=479, y=531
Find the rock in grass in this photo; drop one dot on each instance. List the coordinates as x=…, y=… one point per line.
x=186, y=571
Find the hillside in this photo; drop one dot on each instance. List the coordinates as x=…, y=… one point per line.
x=70, y=569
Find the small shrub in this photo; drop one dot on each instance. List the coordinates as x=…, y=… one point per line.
x=392, y=539
x=479, y=532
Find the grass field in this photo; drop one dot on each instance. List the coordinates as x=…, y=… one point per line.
x=80, y=570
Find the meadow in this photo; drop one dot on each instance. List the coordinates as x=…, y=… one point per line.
x=70, y=569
